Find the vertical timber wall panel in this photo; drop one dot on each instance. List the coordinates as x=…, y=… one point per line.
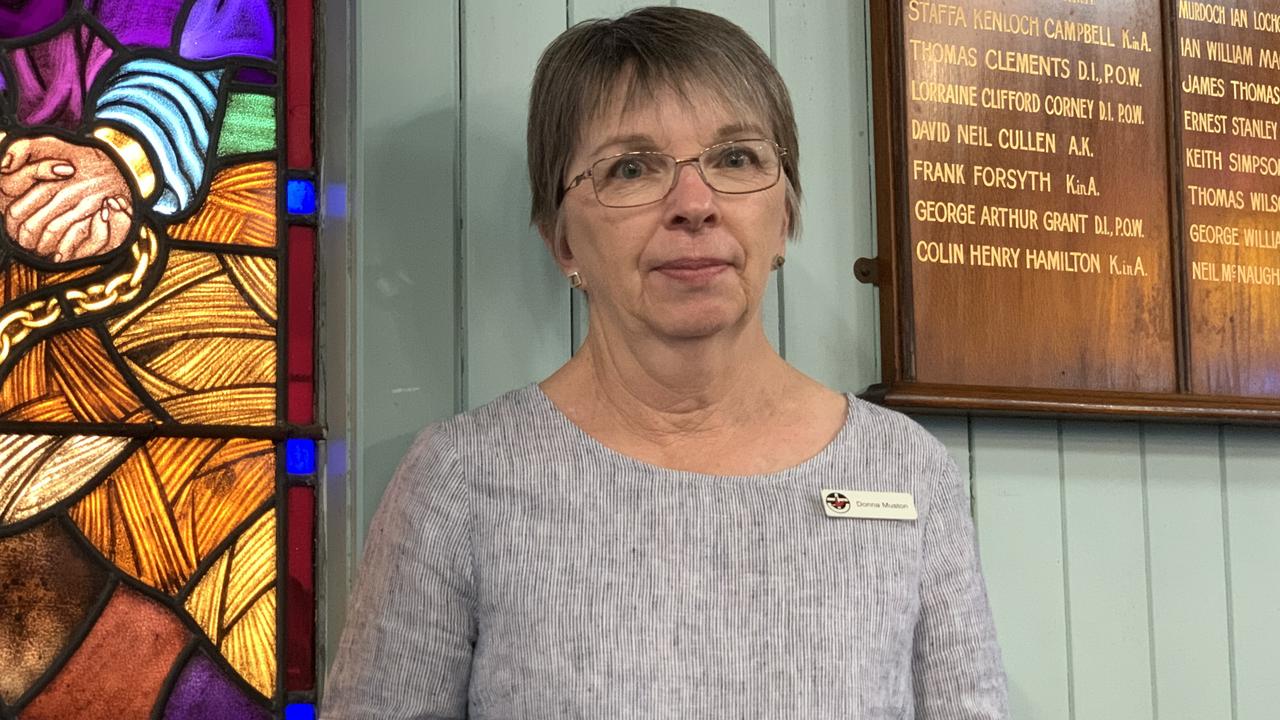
x=831, y=326
x=404, y=216
x=1017, y=486
x=515, y=296
x=1188, y=578
x=1252, y=461
x=1106, y=571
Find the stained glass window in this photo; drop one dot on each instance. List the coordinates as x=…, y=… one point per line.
x=158, y=433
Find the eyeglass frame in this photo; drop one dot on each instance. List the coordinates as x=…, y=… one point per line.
x=675, y=174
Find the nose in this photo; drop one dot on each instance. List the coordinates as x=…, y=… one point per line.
x=691, y=205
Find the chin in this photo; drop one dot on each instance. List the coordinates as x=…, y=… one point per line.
x=689, y=323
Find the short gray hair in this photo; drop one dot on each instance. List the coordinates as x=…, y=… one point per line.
x=651, y=49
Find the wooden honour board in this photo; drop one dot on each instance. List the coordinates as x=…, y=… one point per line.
x=1079, y=207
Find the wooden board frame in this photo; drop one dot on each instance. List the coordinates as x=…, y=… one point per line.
x=891, y=271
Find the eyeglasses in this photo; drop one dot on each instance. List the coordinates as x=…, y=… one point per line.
x=632, y=179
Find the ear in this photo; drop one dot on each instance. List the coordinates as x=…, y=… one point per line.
x=558, y=246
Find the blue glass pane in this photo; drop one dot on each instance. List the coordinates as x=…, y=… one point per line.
x=300, y=457
x=301, y=197
x=300, y=711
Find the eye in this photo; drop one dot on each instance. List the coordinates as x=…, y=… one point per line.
x=737, y=157
x=629, y=168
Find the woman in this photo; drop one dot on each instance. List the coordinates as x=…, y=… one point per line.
x=676, y=523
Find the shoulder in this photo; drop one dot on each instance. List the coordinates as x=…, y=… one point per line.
x=506, y=425
x=892, y=433
x=894, y=452
x=436, y=475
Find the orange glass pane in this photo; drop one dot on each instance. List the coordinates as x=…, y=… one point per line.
x=255, y=277
x=235, y=603
x=69, y=378
x=37, y=471
x=241, y=208
x=161, y=513
x=203, y=344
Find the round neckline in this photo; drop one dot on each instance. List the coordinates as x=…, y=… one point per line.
x=819, y=458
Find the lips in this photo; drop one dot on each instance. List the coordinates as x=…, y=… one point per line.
x=691, y=264
x=693, y=270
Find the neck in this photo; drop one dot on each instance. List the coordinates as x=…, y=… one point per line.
x=662, y=389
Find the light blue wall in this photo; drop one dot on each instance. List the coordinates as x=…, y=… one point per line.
x=1134, y=569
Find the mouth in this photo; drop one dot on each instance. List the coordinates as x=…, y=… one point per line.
x=693, y=270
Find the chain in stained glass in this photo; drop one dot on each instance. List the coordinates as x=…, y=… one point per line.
x=151, y=365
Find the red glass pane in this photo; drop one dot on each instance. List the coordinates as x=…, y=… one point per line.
x=300, y=326
x=300, y=593
x=121, y=666
x=297, y=59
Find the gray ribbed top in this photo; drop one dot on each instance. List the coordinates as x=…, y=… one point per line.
x=517, y=568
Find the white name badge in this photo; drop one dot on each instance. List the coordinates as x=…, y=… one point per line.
x=867, y=504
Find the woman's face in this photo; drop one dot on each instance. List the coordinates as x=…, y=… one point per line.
x=695, y=263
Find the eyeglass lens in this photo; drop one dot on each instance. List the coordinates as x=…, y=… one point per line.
x=640, y=178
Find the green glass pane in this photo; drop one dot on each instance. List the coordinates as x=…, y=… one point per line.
x=249, y=126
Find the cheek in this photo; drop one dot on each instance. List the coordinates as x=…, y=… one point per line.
x=601, y=246
x=768, y=226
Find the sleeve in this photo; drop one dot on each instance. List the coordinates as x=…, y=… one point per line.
x=956, y=665
x=405, y=653
x=170, y=110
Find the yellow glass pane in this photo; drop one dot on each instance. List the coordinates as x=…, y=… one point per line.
x=19, y=455
x=69, y=377
x=241, y=208
x=235, y=603
x=19, y=280
x=37, y=471
x=200, y=344
x=256, y=278
x=195, y=363
x=93, y=387
x=234, y=406
x=68, y=275
x=181, y=270
x=160, y=514
x=207, y=306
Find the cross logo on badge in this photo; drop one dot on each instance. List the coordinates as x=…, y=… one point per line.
x=837, y=502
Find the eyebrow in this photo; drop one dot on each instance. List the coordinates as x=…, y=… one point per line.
x=636, y=141
x=639, y=142
x=739, y=130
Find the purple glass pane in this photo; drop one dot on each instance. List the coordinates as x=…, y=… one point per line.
x=204, y=693
x=218, y=28
x=52, y=77
x=19, y=17
x=138, y=23
x=258, y=76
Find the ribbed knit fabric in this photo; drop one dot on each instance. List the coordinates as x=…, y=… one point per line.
x=517, y=568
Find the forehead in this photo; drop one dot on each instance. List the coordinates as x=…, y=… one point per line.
x=664, y=115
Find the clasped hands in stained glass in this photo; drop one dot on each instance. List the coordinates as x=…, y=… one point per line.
x=140, y=395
